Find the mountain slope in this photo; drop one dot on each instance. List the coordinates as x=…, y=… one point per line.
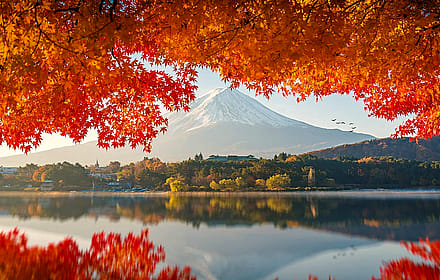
x=85, y=154
x=424, y=150
x=223, y=121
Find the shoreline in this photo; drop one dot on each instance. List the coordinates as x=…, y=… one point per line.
x=434, y=193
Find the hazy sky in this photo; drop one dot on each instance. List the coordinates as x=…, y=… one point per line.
x=342, y=108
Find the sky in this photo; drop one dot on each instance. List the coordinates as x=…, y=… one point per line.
x=341, y=108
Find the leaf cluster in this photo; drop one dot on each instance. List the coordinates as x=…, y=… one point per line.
x=71, y=66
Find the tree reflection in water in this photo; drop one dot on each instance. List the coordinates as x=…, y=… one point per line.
x=109, y=257
x=383, y=219
x=135, y=257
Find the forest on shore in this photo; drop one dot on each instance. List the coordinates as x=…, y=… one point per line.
x=283, y=172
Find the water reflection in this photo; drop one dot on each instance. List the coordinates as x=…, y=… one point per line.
x=377, y=218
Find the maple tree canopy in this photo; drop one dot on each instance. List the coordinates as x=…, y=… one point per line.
x=75, y=65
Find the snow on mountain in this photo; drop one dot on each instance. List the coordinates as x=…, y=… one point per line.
x=226, y=121
x=223, y=121
x=228, y=105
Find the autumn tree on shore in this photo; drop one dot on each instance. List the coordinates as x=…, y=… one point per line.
x=70, y=66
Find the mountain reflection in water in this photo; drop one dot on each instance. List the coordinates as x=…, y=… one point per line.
x=375, y=218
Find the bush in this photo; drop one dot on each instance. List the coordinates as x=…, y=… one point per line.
x=260, y=183
x=177, y=185
x=278, y=182
x=227, y=185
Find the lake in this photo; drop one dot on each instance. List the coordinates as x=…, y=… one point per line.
x=242, y=236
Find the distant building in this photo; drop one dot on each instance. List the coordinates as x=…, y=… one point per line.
x=230, y=158
x=8, y=170
x=47, y=185
x=97, y=170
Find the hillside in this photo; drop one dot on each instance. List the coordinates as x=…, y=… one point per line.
x=424, y=150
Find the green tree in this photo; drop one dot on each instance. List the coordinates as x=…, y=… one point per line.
x=240, y=183
x=198, y=157
x=65, y=172
x=151, y=179
x=26, y=172
x=113, y=167
x=128, y=173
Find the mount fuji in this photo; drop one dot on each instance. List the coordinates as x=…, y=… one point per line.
x=228, y=106
x=226, y=121
x=221, y=122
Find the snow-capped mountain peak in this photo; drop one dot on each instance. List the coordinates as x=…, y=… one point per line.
x=222, y=122
x=228, y=105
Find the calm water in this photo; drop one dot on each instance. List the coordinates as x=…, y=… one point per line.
x=347, y=235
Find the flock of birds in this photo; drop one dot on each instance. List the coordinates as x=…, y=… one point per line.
x=350, y=124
